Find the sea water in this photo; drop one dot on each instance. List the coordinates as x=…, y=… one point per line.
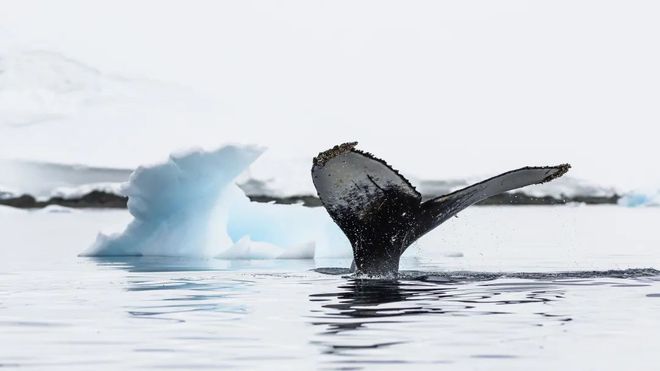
x=61, y=311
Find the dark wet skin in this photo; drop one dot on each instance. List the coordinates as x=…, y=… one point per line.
x=382, y=214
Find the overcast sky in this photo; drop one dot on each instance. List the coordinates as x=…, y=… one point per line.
x=437, y=88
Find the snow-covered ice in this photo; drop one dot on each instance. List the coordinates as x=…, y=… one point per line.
x=7, y=193
x=44, y=180
x=272, y=176
x=58, y=109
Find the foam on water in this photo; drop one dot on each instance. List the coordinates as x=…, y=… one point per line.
x=190, y=206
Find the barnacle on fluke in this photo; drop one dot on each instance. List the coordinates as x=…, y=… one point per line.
x=324, y=156
x=382, y=214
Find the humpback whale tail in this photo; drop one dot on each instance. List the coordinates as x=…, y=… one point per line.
x=382, y=214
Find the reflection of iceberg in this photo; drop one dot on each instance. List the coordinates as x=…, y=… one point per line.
x=190, y=206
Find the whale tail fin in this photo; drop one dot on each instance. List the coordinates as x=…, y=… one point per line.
x=437, y=210
x=382, y=214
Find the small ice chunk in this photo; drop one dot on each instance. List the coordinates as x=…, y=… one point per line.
x=56, y=209
x=640, y=198
x=304, y=251
x=246, y=249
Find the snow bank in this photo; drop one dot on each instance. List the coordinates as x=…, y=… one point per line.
x=275, y=176
x=42, y=87
x=7, y=193
x=44, y=180
x=79, y=191
x=48, y=99
x=191, y=206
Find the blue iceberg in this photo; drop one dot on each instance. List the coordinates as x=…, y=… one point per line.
x=640, y=198
x=190, y=206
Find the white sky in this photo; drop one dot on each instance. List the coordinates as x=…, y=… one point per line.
x=437, y=88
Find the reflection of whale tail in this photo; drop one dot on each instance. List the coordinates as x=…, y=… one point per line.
x=382, y=214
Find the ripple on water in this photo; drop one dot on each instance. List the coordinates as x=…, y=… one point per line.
x=195, y=317
x=364, y=316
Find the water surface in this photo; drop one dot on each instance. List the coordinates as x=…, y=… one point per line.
x=481, y=294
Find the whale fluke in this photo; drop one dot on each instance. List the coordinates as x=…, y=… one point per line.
x=382, y=214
